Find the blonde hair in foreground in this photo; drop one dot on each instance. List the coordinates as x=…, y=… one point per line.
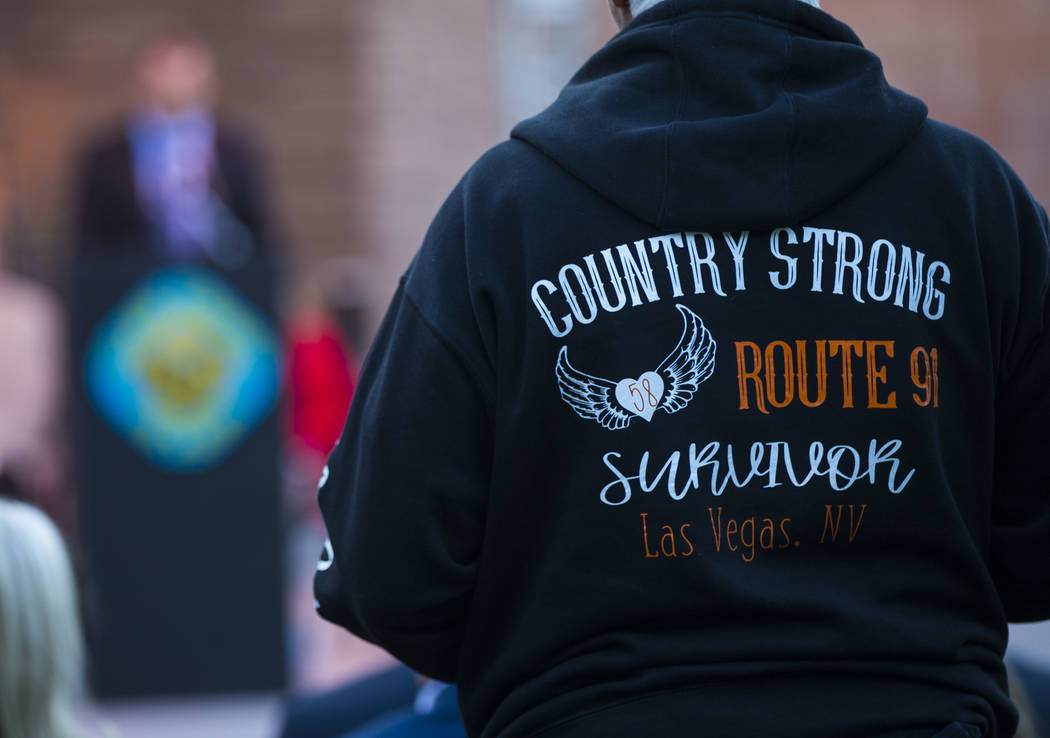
x=41, y=647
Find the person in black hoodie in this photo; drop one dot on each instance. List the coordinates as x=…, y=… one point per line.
x=714, y=403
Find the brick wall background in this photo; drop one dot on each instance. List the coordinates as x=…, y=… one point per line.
x=287, y=79
x=983, y=66
x=370, y=110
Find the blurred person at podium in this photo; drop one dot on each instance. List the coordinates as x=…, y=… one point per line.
x=172, y=180
x=31, y=370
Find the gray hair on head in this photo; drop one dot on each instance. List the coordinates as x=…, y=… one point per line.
x=640, y=6
x=41, y=644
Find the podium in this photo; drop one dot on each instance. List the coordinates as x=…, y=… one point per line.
x=176, y=371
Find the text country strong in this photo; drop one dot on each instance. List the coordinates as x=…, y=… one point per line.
x=818, y=260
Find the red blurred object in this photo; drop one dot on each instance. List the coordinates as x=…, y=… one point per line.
x=322, y=372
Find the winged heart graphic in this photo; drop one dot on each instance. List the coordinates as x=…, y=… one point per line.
x=670, y=388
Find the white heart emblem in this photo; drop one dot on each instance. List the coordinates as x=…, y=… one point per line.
x=641, y=396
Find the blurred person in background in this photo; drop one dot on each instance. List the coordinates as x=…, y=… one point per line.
x=176, y=369
x=580, y=476
x=41, y=649
x=32, y=451
x=173, y=180
x=321, y=372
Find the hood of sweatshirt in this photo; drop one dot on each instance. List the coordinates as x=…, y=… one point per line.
x=682, y=140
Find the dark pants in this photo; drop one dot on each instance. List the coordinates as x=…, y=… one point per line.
x=346, y=709
x=442, y=721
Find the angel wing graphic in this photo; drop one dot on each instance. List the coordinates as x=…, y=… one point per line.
x=670, y=388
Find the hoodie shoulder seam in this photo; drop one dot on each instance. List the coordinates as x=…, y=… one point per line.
x=450, y=348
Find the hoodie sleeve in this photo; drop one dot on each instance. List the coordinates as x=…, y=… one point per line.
x=403, y=496
x=1020, y=545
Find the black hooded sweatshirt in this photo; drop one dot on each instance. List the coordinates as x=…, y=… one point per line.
x=714, y=403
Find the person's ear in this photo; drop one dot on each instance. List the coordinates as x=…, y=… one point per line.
x=621, y=11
